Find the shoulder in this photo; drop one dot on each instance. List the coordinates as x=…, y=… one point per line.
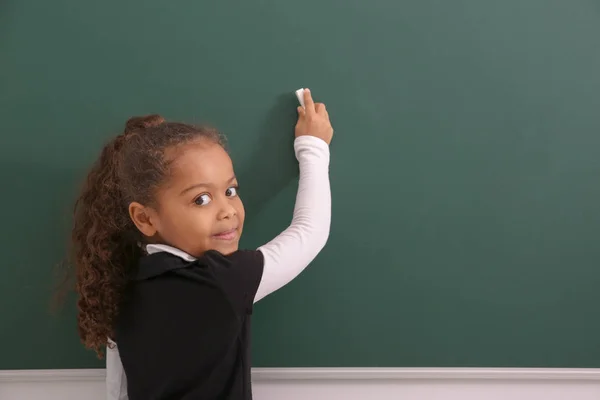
x=234, y=277
x=239, y=257
x=157, y=264
x=164, y=263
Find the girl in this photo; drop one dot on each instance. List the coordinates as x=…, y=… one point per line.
x=160, y=277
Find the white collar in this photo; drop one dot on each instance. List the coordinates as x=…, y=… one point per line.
x=157, y=248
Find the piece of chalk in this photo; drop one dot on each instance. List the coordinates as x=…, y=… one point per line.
x=300, y=96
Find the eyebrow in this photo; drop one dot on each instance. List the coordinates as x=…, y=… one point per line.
x=203, y=185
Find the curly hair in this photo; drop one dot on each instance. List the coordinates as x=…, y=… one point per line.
x=105, y=243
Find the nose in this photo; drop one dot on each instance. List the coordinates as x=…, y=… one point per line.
x=227, y=210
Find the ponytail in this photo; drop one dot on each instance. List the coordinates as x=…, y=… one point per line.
x=104, y=250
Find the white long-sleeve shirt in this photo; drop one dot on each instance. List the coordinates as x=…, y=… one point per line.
x=285, y=257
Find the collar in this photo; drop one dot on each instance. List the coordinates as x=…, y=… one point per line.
x=157, y=248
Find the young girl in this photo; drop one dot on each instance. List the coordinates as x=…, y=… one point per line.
x=160, y=277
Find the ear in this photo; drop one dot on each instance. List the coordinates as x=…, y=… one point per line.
x=143, y=218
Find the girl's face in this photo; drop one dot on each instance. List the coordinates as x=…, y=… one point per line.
x=198, y=207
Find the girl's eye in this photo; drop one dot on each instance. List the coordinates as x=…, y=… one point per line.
x=232, y=191
x=203, y=200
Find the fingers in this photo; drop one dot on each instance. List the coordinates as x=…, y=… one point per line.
x=309, y=104
x=320, y=108
x=311, y=107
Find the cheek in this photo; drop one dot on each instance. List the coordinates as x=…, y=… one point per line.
x=185, y=222
x=241, y=212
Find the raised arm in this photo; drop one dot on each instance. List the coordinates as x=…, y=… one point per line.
x=288, y=254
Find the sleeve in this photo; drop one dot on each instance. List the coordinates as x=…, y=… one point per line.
x=116, y=381
x=238, y=275
x=288, y=254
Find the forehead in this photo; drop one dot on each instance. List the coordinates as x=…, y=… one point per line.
x=199, y=162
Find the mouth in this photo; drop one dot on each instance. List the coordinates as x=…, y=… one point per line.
x=227, y=235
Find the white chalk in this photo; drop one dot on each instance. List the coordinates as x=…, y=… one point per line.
x=300, y=96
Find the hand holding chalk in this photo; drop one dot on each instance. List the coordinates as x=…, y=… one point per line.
x=313, y=118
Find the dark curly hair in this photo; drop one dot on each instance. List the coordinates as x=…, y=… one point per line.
x=105, y=243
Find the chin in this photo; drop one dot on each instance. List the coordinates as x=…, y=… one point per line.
x=227, y=249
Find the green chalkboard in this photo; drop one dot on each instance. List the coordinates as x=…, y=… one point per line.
x=465, y=167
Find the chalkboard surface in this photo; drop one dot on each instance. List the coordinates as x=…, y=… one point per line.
x=465, y=166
